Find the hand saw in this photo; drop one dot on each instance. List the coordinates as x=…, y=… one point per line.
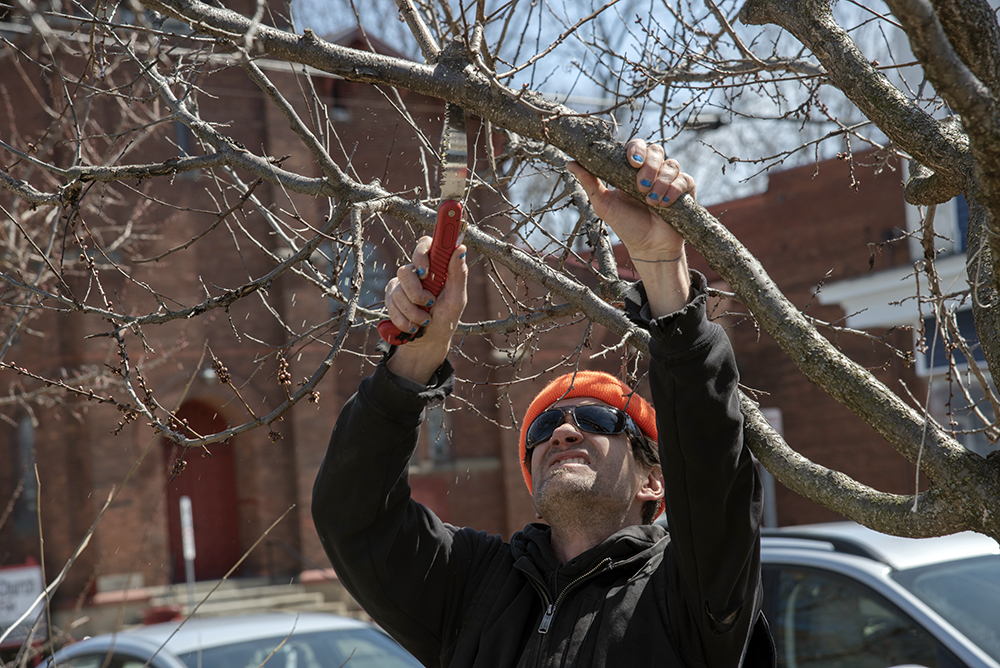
x=450, y=225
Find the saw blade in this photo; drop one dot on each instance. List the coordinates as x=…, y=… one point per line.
x=454, y=153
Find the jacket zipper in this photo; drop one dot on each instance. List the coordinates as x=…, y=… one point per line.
x=550, y=607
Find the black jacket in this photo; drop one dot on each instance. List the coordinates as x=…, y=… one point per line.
x=458, y=597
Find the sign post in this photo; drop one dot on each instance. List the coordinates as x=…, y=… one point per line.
x=20, y=587
x=187, y=543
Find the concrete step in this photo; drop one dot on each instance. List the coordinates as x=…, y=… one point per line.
x=294, y=601
x=205, y=586
x=179, y=593
x=318, y=591
x=332, y=607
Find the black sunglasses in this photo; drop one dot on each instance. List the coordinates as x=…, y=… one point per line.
x=593, y=419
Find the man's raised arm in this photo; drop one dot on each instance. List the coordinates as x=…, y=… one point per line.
x=712, y=492
x=655, y=248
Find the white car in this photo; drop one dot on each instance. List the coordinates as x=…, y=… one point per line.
x=836, y=595
x=283, y=640
x=840, y=595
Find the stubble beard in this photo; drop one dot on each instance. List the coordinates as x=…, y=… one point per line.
x=572, y=499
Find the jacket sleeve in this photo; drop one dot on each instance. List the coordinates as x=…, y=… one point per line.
x=403, y=565
x=713, y=494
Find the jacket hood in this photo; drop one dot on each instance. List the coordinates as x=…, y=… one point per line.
x=639, y=542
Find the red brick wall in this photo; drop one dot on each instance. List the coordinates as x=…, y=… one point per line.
x=81, y=461
x=809, y=222
x=801, y=228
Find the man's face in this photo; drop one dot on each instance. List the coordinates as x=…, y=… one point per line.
x=579, y=472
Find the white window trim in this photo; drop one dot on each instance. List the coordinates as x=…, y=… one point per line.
x=887, y=298
x=945, y=223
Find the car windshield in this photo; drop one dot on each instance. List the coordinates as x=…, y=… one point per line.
x=350, y=648
x=965, y=592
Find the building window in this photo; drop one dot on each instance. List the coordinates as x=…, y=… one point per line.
x=947, y=402
x=185, y=139
x=339, y=112
x=951, y=225
x=776, y=419
x=435, y=433
x=950, y=407
x=26, y=509
x=187, y=146
x=932, y=353
x=961, y=223
x=376, y=272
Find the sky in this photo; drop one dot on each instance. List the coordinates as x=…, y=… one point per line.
x=617, y=48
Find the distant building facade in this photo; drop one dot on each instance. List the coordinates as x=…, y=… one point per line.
x=250, y=482
x=832, y=236
x=465, y=467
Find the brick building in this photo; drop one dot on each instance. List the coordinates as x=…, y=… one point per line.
x=251, y=481
x=466, y=467
x=841, y=226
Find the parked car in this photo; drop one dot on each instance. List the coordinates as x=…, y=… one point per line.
x=836, y=595
x=284, y=640
x=840, y=595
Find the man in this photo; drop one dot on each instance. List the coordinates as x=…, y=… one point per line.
x=597, y=585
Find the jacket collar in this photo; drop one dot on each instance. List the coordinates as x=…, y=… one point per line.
x=532, y=550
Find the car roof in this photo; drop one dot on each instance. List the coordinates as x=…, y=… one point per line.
x=206, y=632
x=896, y=552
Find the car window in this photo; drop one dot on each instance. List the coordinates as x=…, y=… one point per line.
x=348, y=648
x=825, y=620
x=102, y=660
x=965, y=592
x=89, y=661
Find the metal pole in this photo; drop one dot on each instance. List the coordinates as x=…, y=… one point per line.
x=187, y=542
x=770, y=519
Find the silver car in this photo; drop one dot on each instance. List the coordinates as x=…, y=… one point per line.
x=841, y=595
x=282, y=640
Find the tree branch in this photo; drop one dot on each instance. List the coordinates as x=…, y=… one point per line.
x=916, y=132
x=937, y=514
x=972, y=29
x=971, y=100
x=428, y=45
x=590, y=142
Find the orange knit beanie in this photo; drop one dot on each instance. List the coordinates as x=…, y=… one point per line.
x=594, y=384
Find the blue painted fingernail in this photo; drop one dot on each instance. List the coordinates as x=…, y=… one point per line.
x=430, y=302
x=412, y=329
x=420, y=272
x=654, y=196
x=462, y=256
x=646, y=183
x=637, y=157
x=426, y=322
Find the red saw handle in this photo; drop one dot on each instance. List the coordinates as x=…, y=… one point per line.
x=447, y=236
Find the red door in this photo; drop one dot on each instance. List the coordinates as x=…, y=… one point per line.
x=210, y=482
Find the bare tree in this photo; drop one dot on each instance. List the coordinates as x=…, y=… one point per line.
x=87, y=208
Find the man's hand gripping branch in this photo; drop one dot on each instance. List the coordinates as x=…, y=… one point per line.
x=655, y=248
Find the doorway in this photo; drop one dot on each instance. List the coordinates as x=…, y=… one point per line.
x=210, y=483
